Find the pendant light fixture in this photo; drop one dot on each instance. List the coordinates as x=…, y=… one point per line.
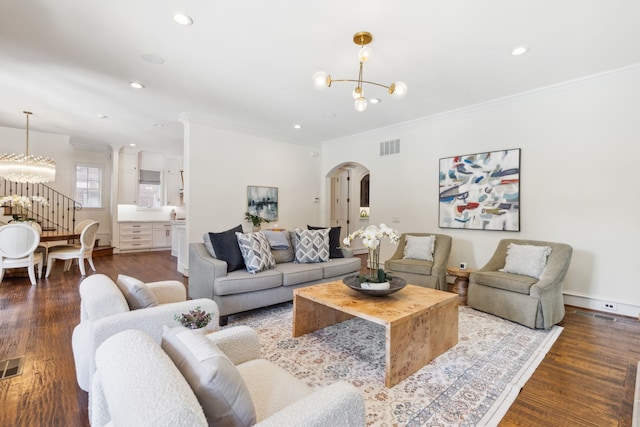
x=323, y=80
x=26, y=168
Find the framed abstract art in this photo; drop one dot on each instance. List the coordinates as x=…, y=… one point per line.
x=480, y=191
x=263, y=202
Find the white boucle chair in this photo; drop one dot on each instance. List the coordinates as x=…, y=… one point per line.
x=137, y=384
x=104, y=312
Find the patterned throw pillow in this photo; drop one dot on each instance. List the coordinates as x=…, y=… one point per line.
x=256, y=252
x=312, y=245
x=528, y=260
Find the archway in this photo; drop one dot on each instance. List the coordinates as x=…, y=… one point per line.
x=345, y=186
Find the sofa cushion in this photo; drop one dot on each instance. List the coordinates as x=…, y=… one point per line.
x=419, y=247
x=341, y=267
x=293, y=274
x=414, y=266
x=311, y=245
x=529, y=260
x=277, y=239
x=137, y=294
x=280, y=253
x=213, y=378
x=334, y=240
x=241, y=281
x=225, y=245
x=256, y=252
x=510, y=282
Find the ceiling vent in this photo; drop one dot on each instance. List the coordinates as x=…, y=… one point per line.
x=390, y=147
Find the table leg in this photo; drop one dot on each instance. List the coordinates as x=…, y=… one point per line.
x=309, y=316
x=413, y=342
x=460, y=286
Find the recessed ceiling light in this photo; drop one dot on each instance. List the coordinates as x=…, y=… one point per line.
x=375, y=101
x=297, y=126
x=103, y=116
x=158, y=125
x=132, y=145
x=136, y=85
x=182, y=19
x=520, y=50
x=153, y=59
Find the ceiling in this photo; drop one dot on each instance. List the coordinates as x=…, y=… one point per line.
x=249, y=63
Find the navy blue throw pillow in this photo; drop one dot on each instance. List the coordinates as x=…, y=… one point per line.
x=334, y=240
x=225, y=245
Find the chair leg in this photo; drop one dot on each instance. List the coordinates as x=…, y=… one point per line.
x=1, y=274
x=32, y=274
x=40, y=264
x=67, y=264
x=50, y=263
x=81, y=265
x=90, y=259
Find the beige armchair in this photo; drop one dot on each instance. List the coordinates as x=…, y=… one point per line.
x=430, y=274
x=535, y=302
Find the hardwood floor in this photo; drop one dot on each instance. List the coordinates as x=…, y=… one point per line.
x=586, y=379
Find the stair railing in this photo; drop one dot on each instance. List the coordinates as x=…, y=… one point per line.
x=60, y=215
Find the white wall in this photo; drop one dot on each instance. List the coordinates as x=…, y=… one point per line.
x=219, y=165
x=580, y=149
x=66, y=156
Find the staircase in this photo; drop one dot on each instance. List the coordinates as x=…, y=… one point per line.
x=60, y=215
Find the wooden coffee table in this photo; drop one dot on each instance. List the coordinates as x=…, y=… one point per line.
x=420, y=323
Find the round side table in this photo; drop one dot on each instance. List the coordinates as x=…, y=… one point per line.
x=461, y=283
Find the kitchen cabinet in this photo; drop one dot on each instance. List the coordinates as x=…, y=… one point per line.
x=135, y=235
x=161, y=235
x=128, y=179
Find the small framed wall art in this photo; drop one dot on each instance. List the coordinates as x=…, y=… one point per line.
x=263, y=202
x=480, y=191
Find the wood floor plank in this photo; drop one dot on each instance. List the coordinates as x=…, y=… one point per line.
x=586, y=379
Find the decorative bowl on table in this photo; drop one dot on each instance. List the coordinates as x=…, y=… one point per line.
x=394, y=284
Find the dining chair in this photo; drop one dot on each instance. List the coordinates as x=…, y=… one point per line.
x=57, y=243
x=18, y=243
x=80, y=252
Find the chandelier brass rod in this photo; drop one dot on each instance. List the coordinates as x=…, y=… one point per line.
x=360, y=81
x=28, y=113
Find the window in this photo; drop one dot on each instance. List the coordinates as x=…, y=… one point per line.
x=89, y=186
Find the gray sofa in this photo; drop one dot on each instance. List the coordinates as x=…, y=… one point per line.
x=240, y=291
x=531, y=301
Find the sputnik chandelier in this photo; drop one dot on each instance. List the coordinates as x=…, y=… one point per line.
x=323, y=80
x=26, y=168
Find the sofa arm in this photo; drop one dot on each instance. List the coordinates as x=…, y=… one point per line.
x=346, y=252
x=203, y=271
x=239, y=343
x=337, y=405
x=168, y=291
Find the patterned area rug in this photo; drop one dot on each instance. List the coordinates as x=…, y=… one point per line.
x=472, y=384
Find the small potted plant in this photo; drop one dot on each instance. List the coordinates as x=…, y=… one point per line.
x=194, y=319
x=256, y=220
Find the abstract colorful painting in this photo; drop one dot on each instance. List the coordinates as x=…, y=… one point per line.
x=481, y=191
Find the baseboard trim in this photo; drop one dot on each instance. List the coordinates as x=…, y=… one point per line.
x=622, y=309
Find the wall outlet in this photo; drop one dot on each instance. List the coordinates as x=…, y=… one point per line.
x=610, y=306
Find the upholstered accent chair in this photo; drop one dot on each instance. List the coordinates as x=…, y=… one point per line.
x=220, y=379
x=430, y=274
x=524, y=286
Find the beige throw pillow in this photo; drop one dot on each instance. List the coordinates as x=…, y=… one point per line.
x=419, y=247
x=136, y=292
x=528, y=260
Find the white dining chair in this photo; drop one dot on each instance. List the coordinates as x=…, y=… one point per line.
x=18, y=243
x=80, y=252
x=57, y=243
